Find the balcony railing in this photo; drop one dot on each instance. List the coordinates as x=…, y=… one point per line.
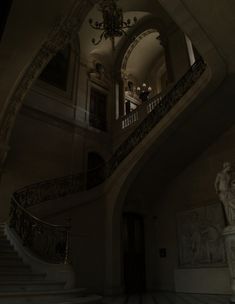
x=51, y=242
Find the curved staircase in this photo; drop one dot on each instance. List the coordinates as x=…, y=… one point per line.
x=20, y=284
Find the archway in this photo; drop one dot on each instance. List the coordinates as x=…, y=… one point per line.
x=144, y=71
x=145, y=48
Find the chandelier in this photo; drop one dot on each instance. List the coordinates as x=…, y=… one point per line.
x=144, y=92
x=113, y=24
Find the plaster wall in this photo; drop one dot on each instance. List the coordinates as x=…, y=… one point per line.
x=193, y=188
x=177, y=54
x=87, y=242
x=45, y=146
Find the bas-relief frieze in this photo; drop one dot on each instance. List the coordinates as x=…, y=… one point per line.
x=200, y=239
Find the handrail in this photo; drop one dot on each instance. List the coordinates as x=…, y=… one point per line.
x=48, y=241
x=163, y=107
x=36, y=219
x=143, y=109
x=52, y=241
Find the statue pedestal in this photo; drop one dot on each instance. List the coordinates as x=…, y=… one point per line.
x=229, y=236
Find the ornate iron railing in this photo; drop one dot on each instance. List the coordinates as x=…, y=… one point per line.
x=48, y=241
x=162, y=107
x=52, y=241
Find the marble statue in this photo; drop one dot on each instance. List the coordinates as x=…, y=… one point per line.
x=225, y=188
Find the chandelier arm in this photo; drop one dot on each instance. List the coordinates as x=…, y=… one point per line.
x=97, y=27
x=123, y=32
x=126, y=25
x=113, y=24
x=101, y=37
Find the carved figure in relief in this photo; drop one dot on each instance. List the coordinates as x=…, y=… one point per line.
x=225, y=188
x=200, y=237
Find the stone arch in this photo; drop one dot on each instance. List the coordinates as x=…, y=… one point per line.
x=148, y=23
x=115, y=201
x=133, y=45
x=144, y=27
x=62, y=32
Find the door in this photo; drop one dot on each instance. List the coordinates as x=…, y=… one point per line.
x=133, y=252
x=97, y=116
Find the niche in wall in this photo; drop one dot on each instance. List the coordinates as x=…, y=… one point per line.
x=56, y=71
x=95, y=170
x=98, y=109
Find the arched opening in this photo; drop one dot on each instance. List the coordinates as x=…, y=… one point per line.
x=56, y=71
x=40, y=147
x=143, y=69
x=133, y=238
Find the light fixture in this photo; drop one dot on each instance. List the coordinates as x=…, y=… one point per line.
x=143, y=92
x=113, y=25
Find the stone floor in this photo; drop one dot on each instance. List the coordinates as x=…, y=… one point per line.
x=169, y=298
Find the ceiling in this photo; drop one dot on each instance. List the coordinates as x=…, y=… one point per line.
x=145, y=56
x=146, y=51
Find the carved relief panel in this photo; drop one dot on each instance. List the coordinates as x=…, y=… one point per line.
x=200, y=240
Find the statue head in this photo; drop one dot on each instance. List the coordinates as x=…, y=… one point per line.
x=227, y=166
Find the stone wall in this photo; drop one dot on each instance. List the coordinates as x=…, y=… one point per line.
x=193, y=188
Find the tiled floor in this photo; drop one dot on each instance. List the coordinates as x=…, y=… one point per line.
x=169, y=298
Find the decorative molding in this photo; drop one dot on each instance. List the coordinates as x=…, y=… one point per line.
x=134, y=44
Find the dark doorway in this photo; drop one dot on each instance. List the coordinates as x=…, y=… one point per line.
x=56, y=71
x=95, y=170
x=97, y=115
x=134, y=252
x=5, y=6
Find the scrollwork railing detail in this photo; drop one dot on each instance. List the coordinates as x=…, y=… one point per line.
x=48, y=241
x=52, y=241
x=163, y=106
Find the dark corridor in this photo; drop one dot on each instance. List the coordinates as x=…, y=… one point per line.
x=133, y=252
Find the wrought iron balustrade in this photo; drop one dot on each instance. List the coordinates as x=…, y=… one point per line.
x=52, y=241
x=163, y=106
x=48, y=241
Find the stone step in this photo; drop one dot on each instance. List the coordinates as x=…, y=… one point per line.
x=16, y=276
x=6, y=246
x=15, y=269
x=11, y=251
x=9, y=255
x=4, y=240
x=5, y=249
x=93, y=299
x=32, y=285
x=15, y=262
x=19, y=285
x=5, y=243
x=39, y=297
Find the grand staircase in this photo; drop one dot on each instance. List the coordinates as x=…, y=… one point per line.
x=50, y=242
x=19, y=284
